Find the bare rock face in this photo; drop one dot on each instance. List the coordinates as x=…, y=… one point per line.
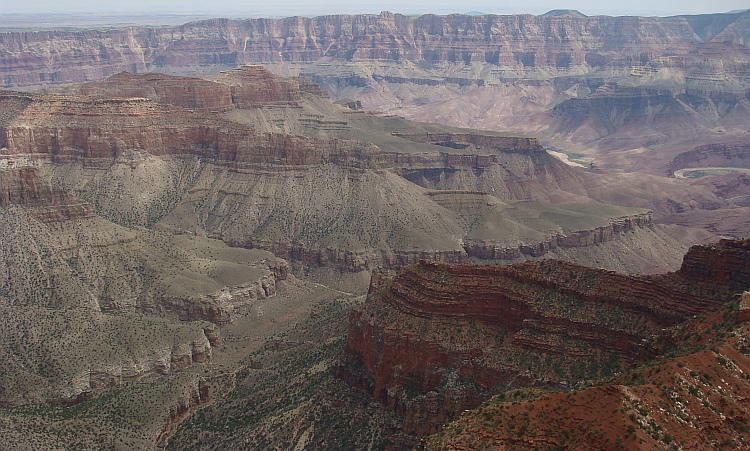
x=191, y=93
x=23, y=185
x=611, y=88
x=254, y=86
x=244, y=88
x=341, y=203
x=722, y=264
x=193, y=397
x=440, y=338
x=548, y=40
x=62, y=129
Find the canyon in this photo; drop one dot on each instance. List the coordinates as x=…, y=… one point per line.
x=611, y=89
x=328, y=199
x=186, y=232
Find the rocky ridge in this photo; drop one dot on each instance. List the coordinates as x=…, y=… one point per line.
x=438, y=339
x=182, y=167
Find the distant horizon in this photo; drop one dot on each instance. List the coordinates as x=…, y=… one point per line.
x=236, y=10
x=220, y=14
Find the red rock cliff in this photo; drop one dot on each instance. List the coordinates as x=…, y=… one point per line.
x=98, y=130
x=439, y=338
x=245, y=87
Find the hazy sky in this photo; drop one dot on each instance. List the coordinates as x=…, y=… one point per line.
x=254, y=8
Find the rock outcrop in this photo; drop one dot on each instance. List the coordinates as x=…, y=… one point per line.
x=62, y=129
x=744, y=311
x=47, y=57
x=218, y=307
x=23, y=184
x=245, y=88
x=724, y=264
x=186, y=92
x=438, y=338
x=193, y=397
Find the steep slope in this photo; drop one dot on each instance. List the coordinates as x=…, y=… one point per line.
x=335, y=207
x=438, y=338
x=63, y=266
x=627, y=93
x=694, y=398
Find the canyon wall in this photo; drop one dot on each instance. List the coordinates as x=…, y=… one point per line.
x=595, y=86
x=184, y=167
x=61, y=129
x=439, y=338
x=35, y=58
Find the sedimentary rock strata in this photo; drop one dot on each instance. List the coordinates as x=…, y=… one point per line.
x=529, y=41
x=61, y=129
x=181, y=167
x=439, y=338
x=609, y=88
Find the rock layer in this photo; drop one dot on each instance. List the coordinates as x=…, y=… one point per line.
x=179, y=165
x=46, y=57
x=440, y=338
x=61, y=129
x=592, y=85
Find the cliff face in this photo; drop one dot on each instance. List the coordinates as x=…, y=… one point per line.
x=61, y=129
x=247, y=87
x=596, y=86
x=529, y=41
x=22, y=184
x=723, y=264
x=181, y=165
x=440, y=338
x=191, y=93
x=574, y=239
